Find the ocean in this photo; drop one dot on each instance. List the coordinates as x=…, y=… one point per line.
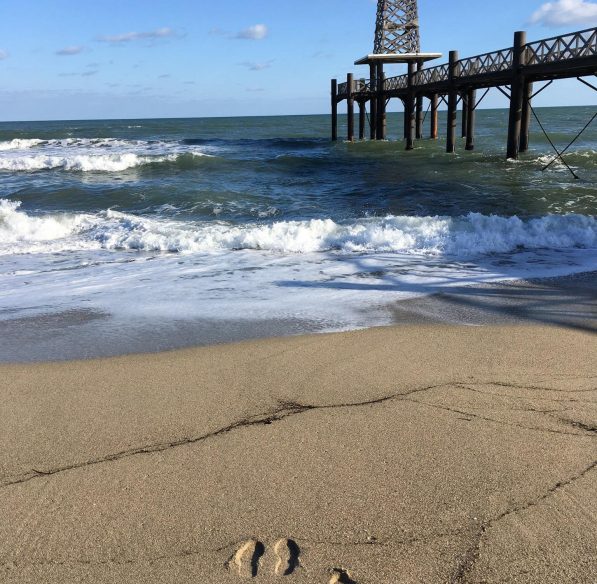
x=125, y=235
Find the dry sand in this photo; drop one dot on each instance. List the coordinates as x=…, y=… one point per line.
x=410, y=454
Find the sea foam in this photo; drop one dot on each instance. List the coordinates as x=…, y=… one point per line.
x=467, y=236
x=89, y=154
x=20, y=144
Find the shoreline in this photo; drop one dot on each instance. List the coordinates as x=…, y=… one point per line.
x=569, y=300
x=408, y=453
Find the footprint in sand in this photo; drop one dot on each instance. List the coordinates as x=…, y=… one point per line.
x=287, y=557
x=340, y=576
x=246, y=560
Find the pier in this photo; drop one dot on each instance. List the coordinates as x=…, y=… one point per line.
x=463, y=83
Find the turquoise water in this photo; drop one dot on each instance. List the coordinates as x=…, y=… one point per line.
x=258, y=218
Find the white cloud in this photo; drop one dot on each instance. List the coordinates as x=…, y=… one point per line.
x=3, y=54
x=566, y=12
x=127, y=37
x=68, y=51
x=256, y=32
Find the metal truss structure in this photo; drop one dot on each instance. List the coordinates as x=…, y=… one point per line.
x=397, y=27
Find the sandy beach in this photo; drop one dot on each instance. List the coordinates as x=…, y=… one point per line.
x=404, y=454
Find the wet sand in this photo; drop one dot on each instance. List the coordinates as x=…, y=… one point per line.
x=569, y=301
x=431, y=454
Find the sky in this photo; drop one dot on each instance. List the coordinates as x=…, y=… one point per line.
x=93, y=59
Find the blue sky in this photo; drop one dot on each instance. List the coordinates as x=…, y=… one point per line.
x=72, y=59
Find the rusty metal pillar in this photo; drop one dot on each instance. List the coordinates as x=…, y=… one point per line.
x=373, y=108
x=362, y=118
x=433, y=133
x=464, y=97
x=381, y=103
x=516, y=95
x=471, y=98
x=410, y=108
x=350, y=106
x=419, y=121
x=334, y=109
x=452, y=104
x=526, y=116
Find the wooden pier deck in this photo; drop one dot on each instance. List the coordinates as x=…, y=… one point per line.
x=513, y=71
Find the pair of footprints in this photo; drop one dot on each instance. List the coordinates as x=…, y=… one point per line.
x=246, y=562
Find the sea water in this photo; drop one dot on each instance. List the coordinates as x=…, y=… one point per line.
x=258, y=220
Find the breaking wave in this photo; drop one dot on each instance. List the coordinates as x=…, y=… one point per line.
x=20, y=144
x=467, y=236
x=90, y=155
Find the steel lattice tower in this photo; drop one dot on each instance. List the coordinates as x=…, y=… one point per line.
x=397, y=27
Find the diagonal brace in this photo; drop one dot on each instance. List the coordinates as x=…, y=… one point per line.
x=540, y=90
x=587, y=83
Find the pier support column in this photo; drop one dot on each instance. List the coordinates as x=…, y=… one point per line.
x=465, y=106
x=433, y=134
x=350, y=106
x=471, y=98
x=404, y=101
x=516, y=95
x=419, y=121
x=381, y=103
x=526, y=116
x=362, y=118
x=334, y=109
x=410, y=109
x=452, y=104
x=373, y=107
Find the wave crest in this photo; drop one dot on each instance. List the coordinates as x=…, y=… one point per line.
x=92, y=154
x=467, y=236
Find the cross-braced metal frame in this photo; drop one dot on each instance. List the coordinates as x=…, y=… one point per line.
x=397, y=27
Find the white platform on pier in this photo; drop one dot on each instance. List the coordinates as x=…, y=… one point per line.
x=397, y=58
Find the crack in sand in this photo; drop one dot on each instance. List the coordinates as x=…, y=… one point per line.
x=287, y=409
x=470, y=557
x=522, y=397
x=460, y=575
x=557, y=487
x=476, y=416
x=259, y=419
x=538, y=387
x=284, y=410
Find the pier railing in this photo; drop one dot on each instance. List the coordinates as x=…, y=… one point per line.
x=486, y=63
x=555, y=50
x=394, y=83
x=432, y=75
x=571, y=46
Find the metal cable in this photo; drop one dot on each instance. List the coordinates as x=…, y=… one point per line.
x=425, y=116
x=573, y=141
x=553, y=145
